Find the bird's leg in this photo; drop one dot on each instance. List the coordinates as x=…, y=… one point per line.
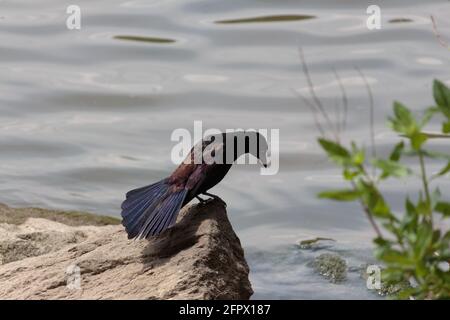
x=202, y=201
x=215, y=197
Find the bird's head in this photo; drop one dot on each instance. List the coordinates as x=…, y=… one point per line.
x=251, y=142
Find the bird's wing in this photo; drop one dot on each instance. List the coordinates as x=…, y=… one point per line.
x=202, y=171
x=189, y=172
x=181, y=174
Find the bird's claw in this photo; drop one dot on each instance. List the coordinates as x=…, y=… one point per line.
x=201, y=200
x=214, y=197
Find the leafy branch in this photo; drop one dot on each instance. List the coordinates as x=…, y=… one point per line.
x=415, y=249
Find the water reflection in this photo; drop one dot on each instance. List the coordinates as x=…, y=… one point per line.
x=265, y=19
x=401, y=20
x=145, y=39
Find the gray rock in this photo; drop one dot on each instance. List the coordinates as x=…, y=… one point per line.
x=199, y=258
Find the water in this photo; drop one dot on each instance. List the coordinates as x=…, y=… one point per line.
x=87, y=115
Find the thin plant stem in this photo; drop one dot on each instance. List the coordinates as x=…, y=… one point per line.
x=337, y=113
x=438, y=36
x=423, y=174
x=313, y=110
x=344, y=100
x=436, y=135
x=371, y=117
x=369, y=215
x=314, y=97
x=372, y=113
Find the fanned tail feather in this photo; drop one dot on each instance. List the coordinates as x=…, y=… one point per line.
x=164, y=215
x=149, y=210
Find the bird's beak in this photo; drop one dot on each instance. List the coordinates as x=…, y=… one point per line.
x=264, y=162
x=262, y=158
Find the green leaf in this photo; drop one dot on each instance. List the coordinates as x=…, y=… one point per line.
x=443, y=207
x=424, y=239
x=381, y=209
x=441, y=94
x=446, y=127
x=423, y=206
x=436, y=235
x=358, y=157
x=340, y=195
x=335, y=151
x=446, y=236
x=382, y=242
x=409, y=221
x=428, y=114
x=430, y=154
x=403, y=122
x=395, y=257
x=374, y=201
x=397, y=152
x=350, y=174
x=391, y=168
x=444, y=170
x=418, y=139
x=402, y=113
x=410, y=207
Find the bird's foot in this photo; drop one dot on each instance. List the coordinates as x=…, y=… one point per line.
x=201, y=200
x=214, y=197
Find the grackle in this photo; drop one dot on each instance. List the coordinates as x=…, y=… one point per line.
x=149, y=210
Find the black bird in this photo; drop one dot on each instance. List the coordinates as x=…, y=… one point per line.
x=149, y=210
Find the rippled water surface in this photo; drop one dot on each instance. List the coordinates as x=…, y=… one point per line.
x=86, y=115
